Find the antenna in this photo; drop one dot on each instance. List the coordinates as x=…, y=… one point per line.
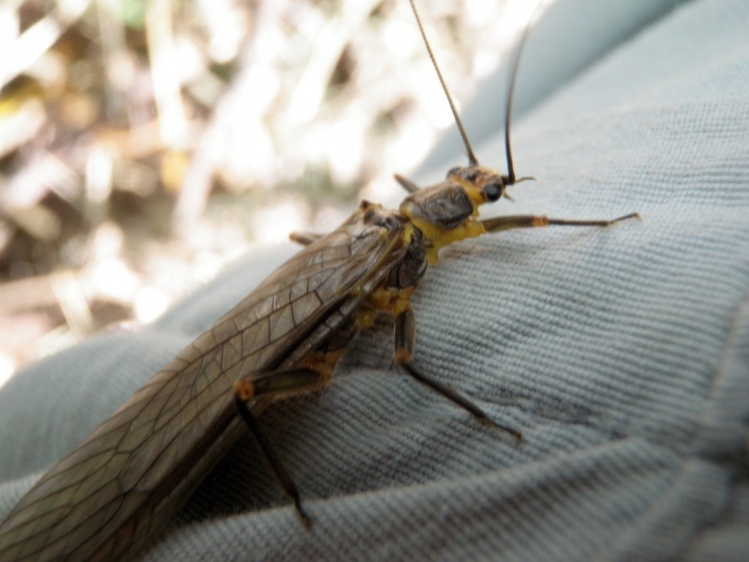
x=510, y=93
x=472, y=161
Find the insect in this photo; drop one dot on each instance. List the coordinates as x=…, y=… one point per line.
x=120, y=486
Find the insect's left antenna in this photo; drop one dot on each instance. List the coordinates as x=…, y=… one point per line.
x=472, y=161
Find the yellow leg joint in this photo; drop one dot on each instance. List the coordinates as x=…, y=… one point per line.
x=244, y=390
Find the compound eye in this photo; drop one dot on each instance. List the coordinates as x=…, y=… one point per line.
x=493, y=191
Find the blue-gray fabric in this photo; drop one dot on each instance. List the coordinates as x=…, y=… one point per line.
x=622, y=354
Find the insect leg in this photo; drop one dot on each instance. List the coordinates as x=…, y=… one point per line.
x=245, y=390
x=305, y=238
x=405, y=332
x=498, y=224
x=406, y=183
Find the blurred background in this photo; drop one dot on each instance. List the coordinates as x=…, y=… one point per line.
x=145, y=144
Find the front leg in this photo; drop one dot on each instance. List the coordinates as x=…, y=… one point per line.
x=499, y=224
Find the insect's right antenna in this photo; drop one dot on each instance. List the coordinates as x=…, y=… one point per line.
x=472, y=161
x=510, y=93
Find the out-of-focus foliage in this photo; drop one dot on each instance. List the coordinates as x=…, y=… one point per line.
x=145, y=143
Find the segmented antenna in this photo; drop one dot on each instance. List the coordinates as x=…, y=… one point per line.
x=472, y=161
x=510, y=93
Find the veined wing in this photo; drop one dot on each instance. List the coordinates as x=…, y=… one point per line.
x=108, y=496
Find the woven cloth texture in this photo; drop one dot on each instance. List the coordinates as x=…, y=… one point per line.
x=622, y=354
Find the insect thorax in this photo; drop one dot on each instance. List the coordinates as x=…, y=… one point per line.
x=411, y=263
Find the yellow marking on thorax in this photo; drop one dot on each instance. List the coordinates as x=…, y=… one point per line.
x=391, y=299
x=365, y=317
x=441, y=237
